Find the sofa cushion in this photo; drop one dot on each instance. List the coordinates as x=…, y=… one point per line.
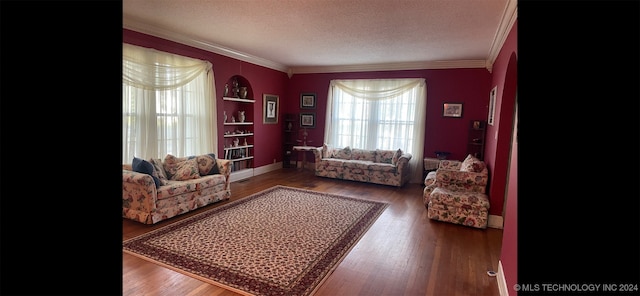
x=396, y=156
x=159, y=169
x=362, y=154
x=357, y=164
x=384, y=156
x=186, y=170
x=207, y=164
x=142, y=166
x=472, y=164
x=344, y=153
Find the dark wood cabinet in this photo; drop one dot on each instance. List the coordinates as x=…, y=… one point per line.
x=476, y=139
x=289, y=137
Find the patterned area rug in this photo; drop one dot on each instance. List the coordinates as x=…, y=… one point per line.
x=281, y=241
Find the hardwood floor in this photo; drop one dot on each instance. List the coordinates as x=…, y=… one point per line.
x=403, y=253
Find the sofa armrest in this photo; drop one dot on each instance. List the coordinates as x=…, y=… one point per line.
x=224, y=166
x=403, y=161
x=317, y=153
x=458, y=177
x=138, y=191
x=450, y=164
x=138, y=179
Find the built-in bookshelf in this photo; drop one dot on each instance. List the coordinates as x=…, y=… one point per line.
x=238, y=127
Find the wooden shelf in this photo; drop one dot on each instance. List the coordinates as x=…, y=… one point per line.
x=476, y=138
x=238, y=100
x=241, y=159
x=238, y=135
x=238, y=123
x=239, y=147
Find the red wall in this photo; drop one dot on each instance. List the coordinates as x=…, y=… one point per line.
x=467, y=86
x=503, y=159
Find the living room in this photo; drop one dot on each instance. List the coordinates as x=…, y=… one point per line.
x=560, y=232
x=470, y=86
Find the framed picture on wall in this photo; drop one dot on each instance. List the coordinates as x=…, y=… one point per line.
x=307, y=120
x=271, y=106
x=452, y=110
x=307, y=101
x=492, y=105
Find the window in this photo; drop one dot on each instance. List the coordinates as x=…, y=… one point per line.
x=378, y=114
x=168, y=105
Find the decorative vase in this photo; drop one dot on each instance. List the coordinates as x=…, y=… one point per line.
x=243, y=92
x=236, y=142
x=225, y=115
x=241, y=116
x=235, y=89
x=226, y=89
x=289, y=126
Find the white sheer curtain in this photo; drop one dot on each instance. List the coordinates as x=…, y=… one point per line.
x=168, y=105
x=378, y=114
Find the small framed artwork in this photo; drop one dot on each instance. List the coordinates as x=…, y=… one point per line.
x=307, y=120
x=307, y=101
x=492, y=105
x=452, y=110
x=271, y=106
x=476, y=124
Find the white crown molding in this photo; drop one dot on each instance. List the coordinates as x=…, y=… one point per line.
x=391, y=66
x=508, y=19
x=131, y=24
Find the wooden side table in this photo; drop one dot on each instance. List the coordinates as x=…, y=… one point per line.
x=430, y=164
x=304, y=150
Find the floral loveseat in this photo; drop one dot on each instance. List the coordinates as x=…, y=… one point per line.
x=386, y=167
x=153, y=190
x=455, y=192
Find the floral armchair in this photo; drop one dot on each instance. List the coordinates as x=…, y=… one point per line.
x=455, y=192
x=469, y=175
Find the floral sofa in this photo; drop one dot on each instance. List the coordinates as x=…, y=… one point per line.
x=154, y=190
x=455, y=192
x=386, y=167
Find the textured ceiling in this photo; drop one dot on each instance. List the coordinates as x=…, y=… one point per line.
x=307, y=34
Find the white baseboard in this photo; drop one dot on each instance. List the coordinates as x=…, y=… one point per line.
x=241, y=175
x=267, y=168
x=495, y=222
x=502, y=282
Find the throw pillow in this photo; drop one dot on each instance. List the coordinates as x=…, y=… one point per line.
x=384, y=156
x=396, y=156
x=170, y=163
x=344, y=153
x=142, y=166
x=472, y=164
x=159, y=170
x=325, y=151
x=186, y=170
x=207, y=164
